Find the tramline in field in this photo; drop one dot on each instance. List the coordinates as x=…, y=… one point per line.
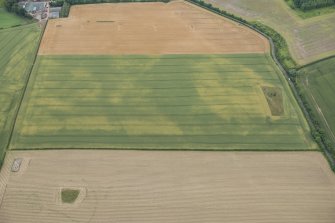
x=204, y=102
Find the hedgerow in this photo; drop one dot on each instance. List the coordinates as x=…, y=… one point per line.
x=312, y=4
x=67, y=3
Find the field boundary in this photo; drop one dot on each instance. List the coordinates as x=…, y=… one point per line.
x=273, y=50
x=175, y=150
x=16, y=26
x=315, y=62
x=23, y=92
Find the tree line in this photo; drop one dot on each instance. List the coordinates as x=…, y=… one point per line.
x=78, y=2
x=67, y=3
x=13, y=6
x=312, y=4
x=56, y=3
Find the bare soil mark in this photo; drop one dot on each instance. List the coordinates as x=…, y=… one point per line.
x=69, y=195
x=147, y=186
x=147, y=28
x=274, y=97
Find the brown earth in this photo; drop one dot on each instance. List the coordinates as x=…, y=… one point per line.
x=148, y=186
x=147, y=28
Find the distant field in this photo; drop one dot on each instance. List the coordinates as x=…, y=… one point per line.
x=169, y=187
x=318, y=81
x=147, y=28
x=308, y=39
x=311, y=12
x=17, y=48
x=9, y=19
x=158, y=102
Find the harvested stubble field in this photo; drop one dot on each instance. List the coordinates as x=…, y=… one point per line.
x=158, y=102
x=169, y=187
x=17, y=48
x=147, y=28
x=308, y=39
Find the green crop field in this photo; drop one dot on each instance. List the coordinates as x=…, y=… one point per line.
x=17, y=50
x=308, y=39
x=160, y=102
x=9, y=19
x=317, y=82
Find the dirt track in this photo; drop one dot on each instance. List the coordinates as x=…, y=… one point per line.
x=139, y=186
x=147, y=28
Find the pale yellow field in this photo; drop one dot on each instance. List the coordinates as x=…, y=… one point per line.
x=145, y=186
x=147, y=28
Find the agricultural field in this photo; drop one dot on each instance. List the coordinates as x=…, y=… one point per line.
x=308, y=39
x=9, y=19
x=317, y=82
x=17, y=46
x=206, y=96
x=152, y=28
x=312, y=12
x=204, y=102
x=113, y=80
x=167, y=186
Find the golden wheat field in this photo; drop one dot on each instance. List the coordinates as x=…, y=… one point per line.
x=147, y=28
